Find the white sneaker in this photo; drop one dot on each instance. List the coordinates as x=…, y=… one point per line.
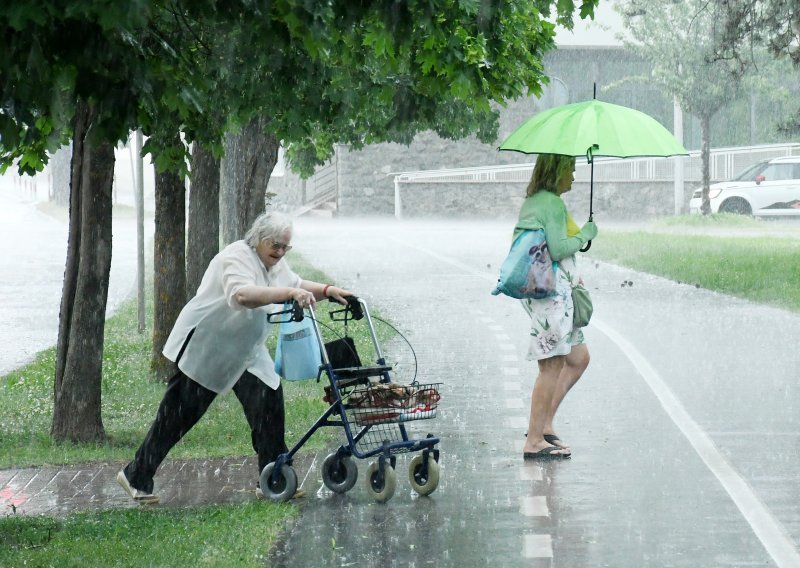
x=299, y=494
x=136, y=495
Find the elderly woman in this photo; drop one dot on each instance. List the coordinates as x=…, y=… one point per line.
x=559, y=349
x=218, y=345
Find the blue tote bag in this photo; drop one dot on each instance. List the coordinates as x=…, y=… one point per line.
x=297, y=356
x=528, y=271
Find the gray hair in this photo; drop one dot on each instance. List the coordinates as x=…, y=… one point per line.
x=268, y=226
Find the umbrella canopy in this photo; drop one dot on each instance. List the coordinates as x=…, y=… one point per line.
x=594, y=128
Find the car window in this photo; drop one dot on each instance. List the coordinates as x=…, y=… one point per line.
x=750, y=173
x=778, y=172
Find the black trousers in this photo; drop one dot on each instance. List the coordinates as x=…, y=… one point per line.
x=185, y=401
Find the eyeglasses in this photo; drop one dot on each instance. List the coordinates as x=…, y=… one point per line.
x=276, y=246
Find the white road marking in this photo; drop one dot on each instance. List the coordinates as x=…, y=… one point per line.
x=513, y=403
x=537, y=546
x=530, y=472
x=511, y=371
x=534, y=506
x=511, y=386
x=516, y=422
x=769, y=530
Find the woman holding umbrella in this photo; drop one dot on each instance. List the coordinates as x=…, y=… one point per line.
x=556, y=345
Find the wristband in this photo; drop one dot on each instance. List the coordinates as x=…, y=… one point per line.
x=325, y=290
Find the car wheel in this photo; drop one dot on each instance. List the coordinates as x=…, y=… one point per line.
x=736, y=205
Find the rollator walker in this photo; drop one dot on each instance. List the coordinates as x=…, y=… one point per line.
x=370, y=408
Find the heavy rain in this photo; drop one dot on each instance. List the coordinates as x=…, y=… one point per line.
x=683, y=430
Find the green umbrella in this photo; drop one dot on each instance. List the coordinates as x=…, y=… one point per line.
x=604, y=128
x=593, y=128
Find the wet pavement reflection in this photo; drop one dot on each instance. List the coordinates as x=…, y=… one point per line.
x=684, y=429
x=637, y=492
x=33, y=249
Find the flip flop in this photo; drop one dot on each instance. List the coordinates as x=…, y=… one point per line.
x=553, y=439
x=546, y=454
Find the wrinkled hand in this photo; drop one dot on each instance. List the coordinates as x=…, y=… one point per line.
x=302, y=297
x=589, y=230
x=339, y=294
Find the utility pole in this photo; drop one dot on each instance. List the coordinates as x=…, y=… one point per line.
x=139, y=198
x=678, y=160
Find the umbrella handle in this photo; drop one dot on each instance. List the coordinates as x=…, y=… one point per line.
x=589, y=242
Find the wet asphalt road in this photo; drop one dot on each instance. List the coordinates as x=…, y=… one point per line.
x=33, y=249
x=684, y=429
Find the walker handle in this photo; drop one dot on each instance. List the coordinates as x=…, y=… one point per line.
x=353, y=308
x=296, y=310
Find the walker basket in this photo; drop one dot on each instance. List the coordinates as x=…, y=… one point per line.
x=388, y=403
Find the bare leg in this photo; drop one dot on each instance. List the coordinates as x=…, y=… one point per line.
x=574, y=366
x=541, y=402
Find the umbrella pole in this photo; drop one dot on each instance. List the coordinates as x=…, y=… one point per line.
x=591, y=189
x=590, y=158
x=588, y=244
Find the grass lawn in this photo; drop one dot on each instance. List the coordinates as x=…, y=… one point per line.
x=226, y=535
x=230, y=535
x=751, y=259
x=733, y=255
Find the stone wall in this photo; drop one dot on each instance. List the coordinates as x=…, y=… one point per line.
x=629, y=201
x=365, y=177
x=612, y=201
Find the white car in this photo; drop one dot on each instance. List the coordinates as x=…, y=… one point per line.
x=769, y=188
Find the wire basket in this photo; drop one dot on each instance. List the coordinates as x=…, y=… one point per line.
x=390, y=403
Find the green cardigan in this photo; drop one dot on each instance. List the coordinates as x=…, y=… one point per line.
x=545, y=210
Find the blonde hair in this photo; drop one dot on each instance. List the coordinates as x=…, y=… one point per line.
x=548, y=170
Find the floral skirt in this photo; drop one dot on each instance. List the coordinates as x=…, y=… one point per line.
x=551, y=318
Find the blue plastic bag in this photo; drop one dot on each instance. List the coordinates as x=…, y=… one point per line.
x=297, y=356
x=528, y=271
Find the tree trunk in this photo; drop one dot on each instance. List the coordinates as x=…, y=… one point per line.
x=705, y=155
x=250, y=157
x=79, y=355
x=203, y=216
x=169, y=265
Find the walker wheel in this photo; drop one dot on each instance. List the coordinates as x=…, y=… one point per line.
x=339, y=474
x=381, y=484
x=281, y=489
x=422, y=482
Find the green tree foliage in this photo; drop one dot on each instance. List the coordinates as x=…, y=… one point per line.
x=749, y=26
x=313, y=73
x=679, y=40
x=88, y=70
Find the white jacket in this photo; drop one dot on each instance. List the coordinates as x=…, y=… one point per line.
x=228, y=338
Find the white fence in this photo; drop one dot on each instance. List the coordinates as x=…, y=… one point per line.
x=724, y=164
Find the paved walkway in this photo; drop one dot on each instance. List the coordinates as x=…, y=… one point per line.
x=33, y=249
x=60, y=491
x=32, y=256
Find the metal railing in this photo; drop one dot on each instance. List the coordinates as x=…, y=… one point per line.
x=724, y=164
x=322, y=185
